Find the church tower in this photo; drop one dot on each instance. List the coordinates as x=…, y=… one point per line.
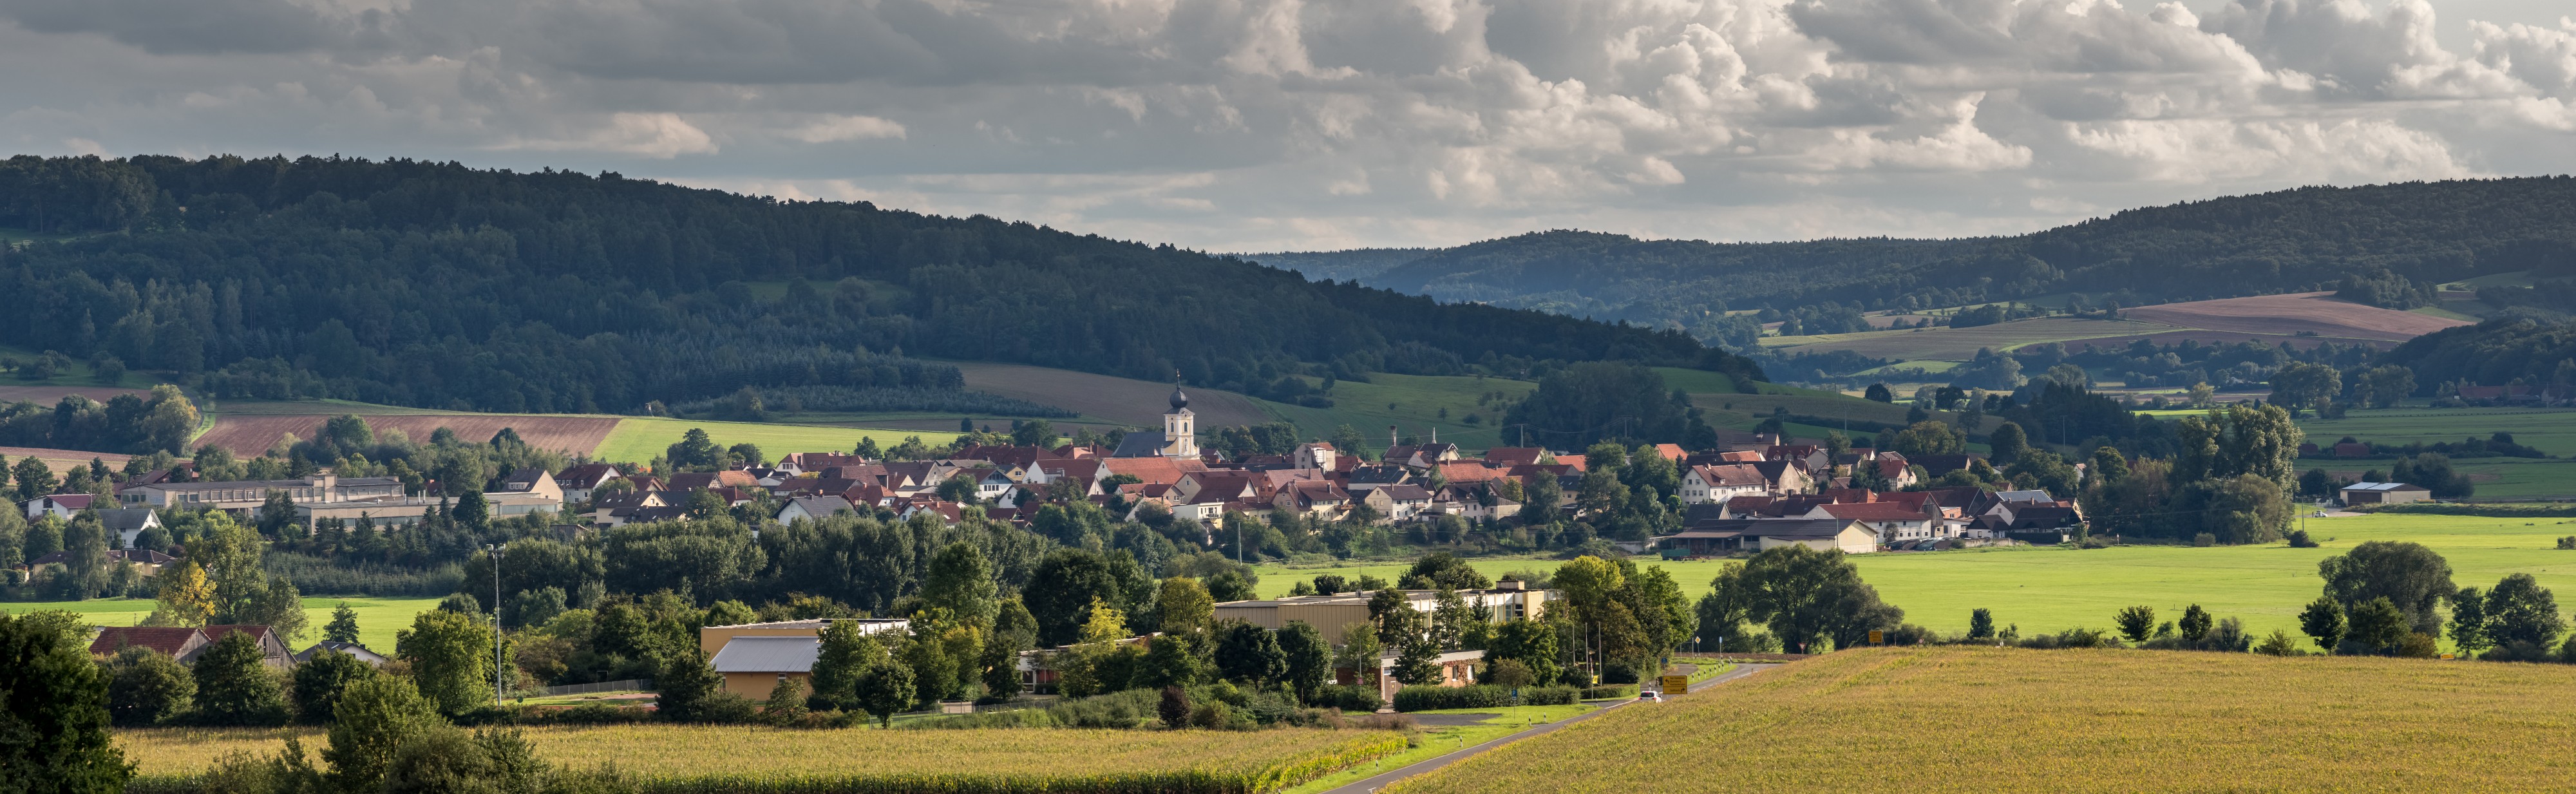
x=1180, y=435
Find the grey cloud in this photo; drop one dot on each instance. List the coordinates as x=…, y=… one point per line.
x=198, y=27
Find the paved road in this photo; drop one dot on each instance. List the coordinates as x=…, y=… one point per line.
x=1367, y=785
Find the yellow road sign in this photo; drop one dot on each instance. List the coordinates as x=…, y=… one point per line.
x=1676, y=684
x=1877, y=637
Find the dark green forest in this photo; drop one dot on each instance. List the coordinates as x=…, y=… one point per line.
x=2381, y=244
x=438, y=285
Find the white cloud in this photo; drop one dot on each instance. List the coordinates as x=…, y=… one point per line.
x=1268, y=124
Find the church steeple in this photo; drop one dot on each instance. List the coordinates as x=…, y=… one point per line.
x=1180, y=427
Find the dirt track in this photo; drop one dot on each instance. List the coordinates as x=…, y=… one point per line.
x=251, y=435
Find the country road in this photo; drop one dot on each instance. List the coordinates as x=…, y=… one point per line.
x=1371, y=784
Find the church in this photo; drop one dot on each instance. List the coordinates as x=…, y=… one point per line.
x=1179, y=437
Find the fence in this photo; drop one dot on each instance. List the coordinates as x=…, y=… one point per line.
x=631, y=684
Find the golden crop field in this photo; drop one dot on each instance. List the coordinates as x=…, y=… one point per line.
x=1956, y=719
x=672, y=752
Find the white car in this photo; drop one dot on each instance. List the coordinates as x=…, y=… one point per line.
x=1652, y=697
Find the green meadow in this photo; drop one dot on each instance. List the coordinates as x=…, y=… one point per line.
x=2051, y=589
x=378, y=618
x=641, y=439
x=1416, y=403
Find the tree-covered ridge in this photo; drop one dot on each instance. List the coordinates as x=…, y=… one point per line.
x=436, y=284
x=2417, y=233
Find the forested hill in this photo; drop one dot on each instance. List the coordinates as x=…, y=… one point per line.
x=2293, y=240
x=439, y=285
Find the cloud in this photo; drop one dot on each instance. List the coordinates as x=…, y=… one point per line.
x=1253, y=124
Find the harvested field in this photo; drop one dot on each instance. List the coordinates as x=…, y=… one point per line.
x=62, y=460
x=1030, y=759
x=1136, y=403
x=250, y=435
x=2293, y=313
x=48, y=395
x=2069, y=721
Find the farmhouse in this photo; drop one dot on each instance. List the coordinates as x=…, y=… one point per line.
x=186, y=643
x=2384, y=493
x=753, y=657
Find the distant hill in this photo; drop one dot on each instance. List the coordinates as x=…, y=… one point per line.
x=438, y=285
x=1361, y=264
x=2382, y=244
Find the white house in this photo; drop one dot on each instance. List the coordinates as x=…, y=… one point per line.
x=1723, y=481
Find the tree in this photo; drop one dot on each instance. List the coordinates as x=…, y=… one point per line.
x=2385, y=386
x=1532, y=643
x=961, y=581
x=2521, y=612
x=685, y=684
x=1803, y=594
x=1034, y=433
x=1598, y=400
x=1182, y=605
x=1418, y=664
x=1309, y=658
x=343, y=626
x=2377, y=624
x=2202, y=394
x=321, y=679
x=1360, y=650
x=1013, y=631
x=1174, y=709
x=451, y=659
x=1723, y=611
x=1063, y=587
x=55, y=714
x=2195, y=623
x=35, y=479
x=694, y=452
x=1172, y=659
x=1230, y=585
x=146, y=686
x=233, y=684
x=2135, y=622
x=2299, y=385
x=1981, y=624
x=187, y=597
x=2257, y=440
x=371, y=722
x=2469, y=621
x=786, y=703
x=2323, y=621
x=2407, y=574
x=884, y=691
x=1928, y=438
x=1443, y=571
x=846, y=652
x=2009, y=442
x=1249, y=653
x=1879, y=392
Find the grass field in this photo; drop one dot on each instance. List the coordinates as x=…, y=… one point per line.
x=640, y=439
x=1437, y=741
x=1417, y=401
x=378, y=618
x=2553, y=430
x=2051, y=589
x=1960, y=344
x=675, y=752
x=2006, y=720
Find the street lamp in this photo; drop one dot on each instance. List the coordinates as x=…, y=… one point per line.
x=494, y=549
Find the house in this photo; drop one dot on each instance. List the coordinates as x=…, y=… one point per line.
x=533, y=481
x=147, y=561
x=753, y=657
x=1421, y=456
x=1718, y=483
x=813, y=508
x=1317, y=455
x=1711, y=538
x=2384, y=493
x=1468, y=501
x=244, y=496
x=364, y=654
x=62, y=506
x=1890, y=521
x=1809, y=455
x=186, y=643
x=729, y=478
x=1894, y=469
x=1321, y=498
x=1507, y=457
x=1369, y=477
x=576, y=482
x=1783, y=476
x=129, y=522
x=1404, y=501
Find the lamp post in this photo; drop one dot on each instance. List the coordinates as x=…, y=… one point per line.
x=494, y=549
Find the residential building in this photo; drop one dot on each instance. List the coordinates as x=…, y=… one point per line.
x=364, y=654
x=1720, y=482
x=813, y=508
x=62, y=506
x=1716, y=538
x=533, y=481
x=187, y=643
x=576, y=482
x=129, y=522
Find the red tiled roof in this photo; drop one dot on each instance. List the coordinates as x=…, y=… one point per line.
x=172, y=640
x=1874, y=511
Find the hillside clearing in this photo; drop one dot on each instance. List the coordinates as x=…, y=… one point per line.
x=2293, y=313
x=640, y=439
x=250, y=435
x=1960, y=344
x=2010, y=720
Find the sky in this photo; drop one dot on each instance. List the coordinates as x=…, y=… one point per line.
x=1266, y=125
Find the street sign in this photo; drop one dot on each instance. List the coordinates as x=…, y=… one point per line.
x=1676, y=685
x=1877, y=637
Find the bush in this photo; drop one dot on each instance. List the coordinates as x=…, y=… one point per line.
x=1610, y=691
x=146, y=686
x=1356, y=698
x=2204, y=540
x=2299, y=539
x=444, y=760
x=1550, y=696
x=56, y=718
x=2073, y=638
x=2519, y=652
x=2419, y=645
x=1427, y=698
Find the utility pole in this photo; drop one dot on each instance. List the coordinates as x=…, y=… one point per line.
x=494, y=549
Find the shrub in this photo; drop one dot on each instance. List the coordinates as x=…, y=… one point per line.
x=372, y=720
x=498, y=761
x=56, y=717
x=2073, y=638
x=2519, y=652
x=2204, y=540
x=1550, y=696
x=2419, y=645
x=1427, y=698
x=234, y=687
x=2299, y=539
x=319, y=680
x=1356, y=698
x=146, y=686
x=1610, y=691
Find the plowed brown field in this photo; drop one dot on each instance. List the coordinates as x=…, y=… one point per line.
x=62, y=460
x=250, y=435
x=2290, y=314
